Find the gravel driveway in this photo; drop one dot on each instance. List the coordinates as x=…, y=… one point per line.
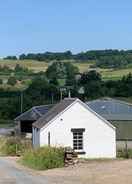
x=90, y=172
x=10, y=173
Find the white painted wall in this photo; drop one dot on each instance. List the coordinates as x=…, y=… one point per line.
x=99, y=138
x=35, y=137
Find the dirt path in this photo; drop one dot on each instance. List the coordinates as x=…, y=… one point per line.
x=90, y=172
x=95, y=172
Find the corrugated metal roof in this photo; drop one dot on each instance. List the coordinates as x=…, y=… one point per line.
x=112, y=109
x=34, y=113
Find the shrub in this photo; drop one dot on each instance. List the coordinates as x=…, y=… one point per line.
x=13, y=146
x=44, y=158
x=12, y=81
x=123, y=153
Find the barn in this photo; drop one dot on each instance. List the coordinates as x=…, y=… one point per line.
x=119, y=113
x=23, y=123
x=71, y=123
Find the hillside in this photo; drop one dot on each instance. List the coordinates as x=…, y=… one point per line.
x=37, y=66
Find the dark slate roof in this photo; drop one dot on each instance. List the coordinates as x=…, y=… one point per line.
x=34, y=113
x=112, y=109
x=53, y=112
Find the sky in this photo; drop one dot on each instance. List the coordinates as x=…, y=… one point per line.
x=58, y=25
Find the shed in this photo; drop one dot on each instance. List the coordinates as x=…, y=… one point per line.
x=25, y=120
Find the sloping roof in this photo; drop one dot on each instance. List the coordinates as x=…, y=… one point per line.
x=34, y=113
x=60, y=107
x=112, y=109
x=53, y=112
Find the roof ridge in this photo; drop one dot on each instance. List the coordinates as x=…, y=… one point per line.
x=42, y=105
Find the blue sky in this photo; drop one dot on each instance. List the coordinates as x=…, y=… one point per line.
x=59, y=25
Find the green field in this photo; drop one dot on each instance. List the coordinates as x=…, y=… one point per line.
x=37, y=66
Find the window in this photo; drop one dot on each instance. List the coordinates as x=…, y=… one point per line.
x=78, y=139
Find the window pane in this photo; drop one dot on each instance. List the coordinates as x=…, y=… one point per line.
x=77, y=140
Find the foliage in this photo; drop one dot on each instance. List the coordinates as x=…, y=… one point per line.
x=11, y=58
x=12, y=146
x=43, y=90
x=56, y=70
x=62, y=70
x=44, y=158
x=123, y=153
x=97, y=55
x=5, y=69
x=91, y=81
x=119, y=61
x=1, y=81
x=12, y=81
x=19, y=68
x=47, y=56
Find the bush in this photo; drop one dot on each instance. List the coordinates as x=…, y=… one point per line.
x=13, y=146
x=44, y=158
x=12, y=81
x=123, y=153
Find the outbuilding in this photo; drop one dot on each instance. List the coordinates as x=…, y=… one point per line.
x=72, y=123
x=23, y=122
x=119, y=114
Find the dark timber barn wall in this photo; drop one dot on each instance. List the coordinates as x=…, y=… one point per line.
x=26, y=126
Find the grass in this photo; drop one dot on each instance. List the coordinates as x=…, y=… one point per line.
x=122, y=153
x=13, y=146
x=43, y=158
x=114, y=74
x=37, y=66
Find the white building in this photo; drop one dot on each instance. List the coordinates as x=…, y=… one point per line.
x=71, y=123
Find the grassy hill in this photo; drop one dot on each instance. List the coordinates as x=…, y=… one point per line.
x=37, y=66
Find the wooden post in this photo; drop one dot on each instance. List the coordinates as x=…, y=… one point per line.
x=126, y=149
x=48, y=138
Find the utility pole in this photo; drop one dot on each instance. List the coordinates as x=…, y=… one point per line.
x=62, y=89
x=60, y=95
x=69, y=94
x=21, y=102
x=52, y=98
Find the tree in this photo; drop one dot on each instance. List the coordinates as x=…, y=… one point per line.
x=19, y=68
x=12, y=81
x=56, y=70
x=40, y=91
x=91, y=81
x=10, y=58
x=1, y=81
x=61, y=70
x=90, y=76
